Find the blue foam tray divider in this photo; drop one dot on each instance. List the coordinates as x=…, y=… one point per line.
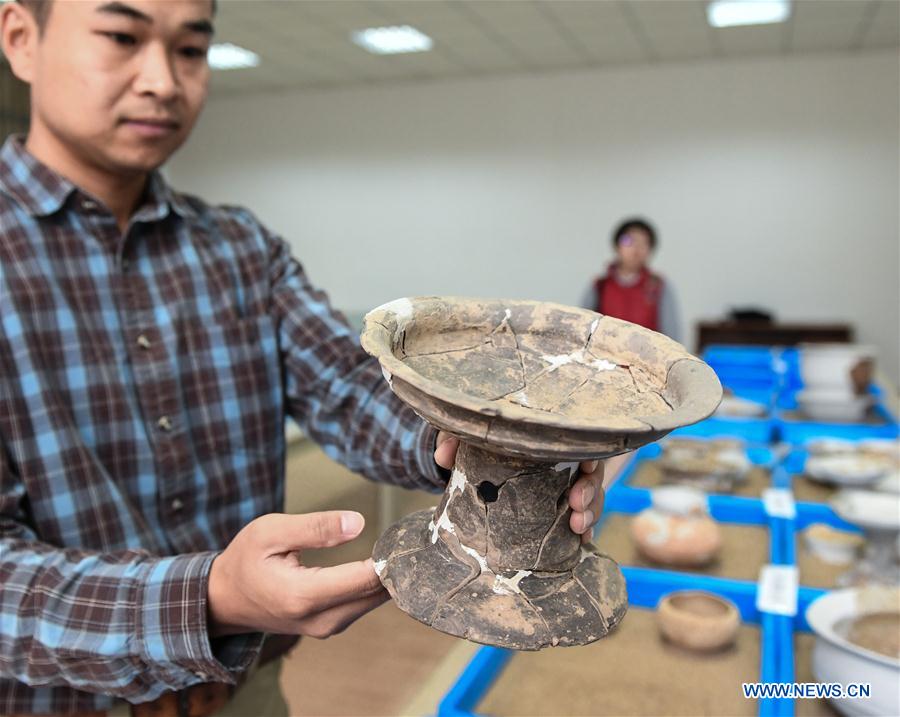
x=748, y=371
x=798, y=432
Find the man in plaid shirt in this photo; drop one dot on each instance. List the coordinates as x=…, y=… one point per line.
x=150, y=347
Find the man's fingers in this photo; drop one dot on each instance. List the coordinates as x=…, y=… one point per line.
x=338, y=618
x=583, y=519
x=590, y=467
x=445, y=452
x=324, y=588
x=585, y=490
x=282, y=533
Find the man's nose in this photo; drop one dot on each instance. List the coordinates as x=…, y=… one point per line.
x=156, y=74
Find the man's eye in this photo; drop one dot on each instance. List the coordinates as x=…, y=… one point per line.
x=121, y=38
x=194, y=53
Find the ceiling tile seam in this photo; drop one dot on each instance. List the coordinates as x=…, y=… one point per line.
x=787, y=36
x=713, y=38
x=337, y=33
x=464, y=8
x=565, y=33
x=638, y=30
x=866, y=22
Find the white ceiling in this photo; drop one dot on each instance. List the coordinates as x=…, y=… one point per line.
x=306, y=43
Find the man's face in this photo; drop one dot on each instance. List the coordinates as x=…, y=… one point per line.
x=121, y=84
x=633, y=249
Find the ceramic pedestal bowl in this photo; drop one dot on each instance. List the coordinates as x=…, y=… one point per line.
x=531, y=389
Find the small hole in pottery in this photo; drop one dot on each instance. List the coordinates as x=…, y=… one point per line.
x=488, y=491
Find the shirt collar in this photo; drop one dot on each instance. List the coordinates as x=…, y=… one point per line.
x=34, y=185
x=43, y=192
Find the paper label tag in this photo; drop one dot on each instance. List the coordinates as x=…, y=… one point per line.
x=779, y=503
x=777, y=590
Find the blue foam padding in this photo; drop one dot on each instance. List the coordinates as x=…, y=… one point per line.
x=646, y=586
x=799, y=432
x=474, y=682
x=756, y=430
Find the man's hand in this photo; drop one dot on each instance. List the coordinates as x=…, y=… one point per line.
x=585, y=497
x=259, y=584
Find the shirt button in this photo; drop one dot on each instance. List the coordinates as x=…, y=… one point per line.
x=176, y=504
x=88, y=205
x=143, y=342
x=126, y=265
x=164, y=423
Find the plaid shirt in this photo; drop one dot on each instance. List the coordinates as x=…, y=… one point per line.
x=144, y=382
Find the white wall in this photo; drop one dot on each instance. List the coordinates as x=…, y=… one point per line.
x=773, y=182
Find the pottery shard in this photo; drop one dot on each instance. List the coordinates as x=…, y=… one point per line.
x=573, y=616
x=599, y=575
x=467, y=515
x=421, y=580
x=405, y=536
x=480, y=614
x=484, y=372
x=522, y=518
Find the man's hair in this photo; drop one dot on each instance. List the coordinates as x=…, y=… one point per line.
x=40, y=9
x=634, y=223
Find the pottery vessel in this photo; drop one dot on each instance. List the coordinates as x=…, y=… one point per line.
x=832, y=546
x=698, y=620
x=878, y=515
x=836, y=406
x=709, y=465
x=677, y=529
x=845, y=368
x=846, y=469
x=836, y=659
x=530, y=389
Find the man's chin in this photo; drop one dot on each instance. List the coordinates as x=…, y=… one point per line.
x=140, y=162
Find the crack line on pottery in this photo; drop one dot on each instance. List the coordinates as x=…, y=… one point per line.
x=457, y=483
x=559, y=517
x=444, y=352
x=593, y=602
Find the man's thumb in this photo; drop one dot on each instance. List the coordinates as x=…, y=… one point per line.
x=312, y=530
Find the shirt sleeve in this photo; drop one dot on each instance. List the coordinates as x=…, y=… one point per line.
x=669, y=314
x=125, y=624
x=336, y=392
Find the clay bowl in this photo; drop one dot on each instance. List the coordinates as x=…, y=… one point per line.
x=832, y=546
x=698, y=620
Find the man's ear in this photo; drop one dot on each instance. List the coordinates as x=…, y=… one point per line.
x=19, y=37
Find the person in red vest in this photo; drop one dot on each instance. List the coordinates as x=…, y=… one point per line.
x=629, y=290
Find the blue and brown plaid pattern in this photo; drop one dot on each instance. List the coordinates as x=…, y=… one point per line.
x=144, y=382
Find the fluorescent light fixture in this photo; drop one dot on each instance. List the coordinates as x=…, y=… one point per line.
x=392, y=40
x=225, y=56
x=730, y=13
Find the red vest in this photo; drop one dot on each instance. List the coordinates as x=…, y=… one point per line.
x=638, y=303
